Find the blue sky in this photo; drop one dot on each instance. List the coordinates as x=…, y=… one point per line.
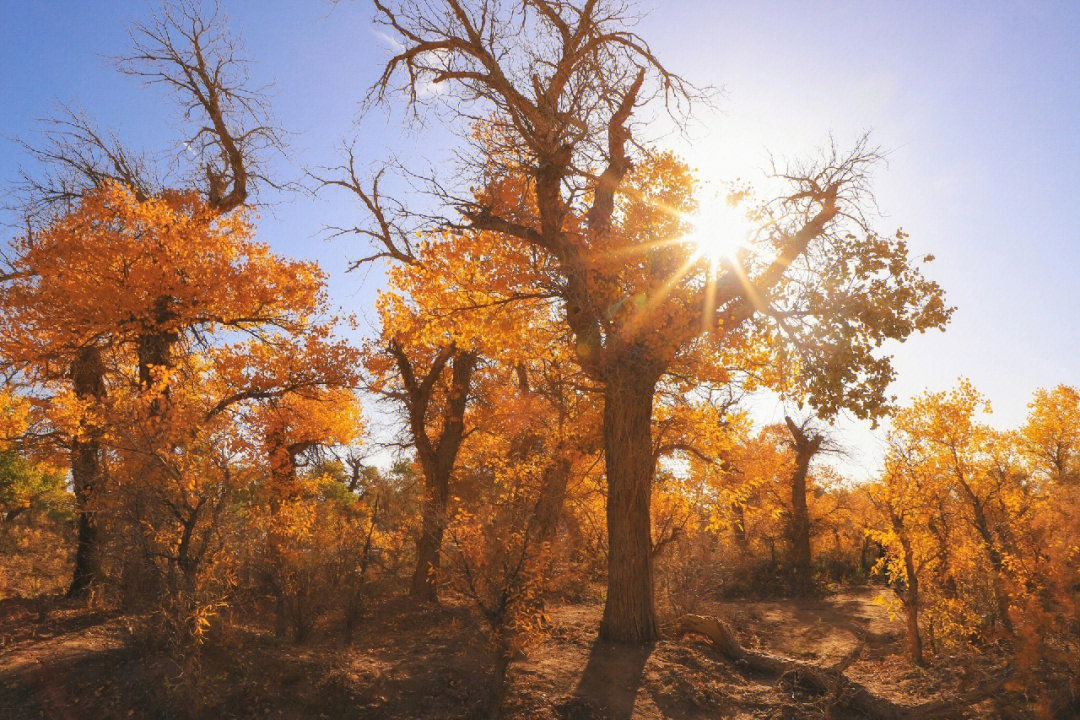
x=977, y=105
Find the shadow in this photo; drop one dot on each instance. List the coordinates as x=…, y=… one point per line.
x=609, y=683
x=134, y=681
x=849, y=615
x=82, y=686
x=817, y=626
x=425, y=660
x=46, y=616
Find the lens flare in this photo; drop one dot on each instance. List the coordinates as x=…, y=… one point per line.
x=719, y=230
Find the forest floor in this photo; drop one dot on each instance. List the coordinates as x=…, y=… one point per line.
x=60, y=660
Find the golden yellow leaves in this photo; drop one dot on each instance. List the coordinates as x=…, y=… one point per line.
x=104, y=272
x=312, y=417
x=204, y=336
x=972, y=506
x=14, y=417
x=1052, y=433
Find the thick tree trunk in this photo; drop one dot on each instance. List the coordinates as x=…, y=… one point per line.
x=807, y=444
x=429, y=545
x=800, y=526
x=85, y=471
x=88, y=382
x=154, y=350
x=629, y=613
x=154, y=347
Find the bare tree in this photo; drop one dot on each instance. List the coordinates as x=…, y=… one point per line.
x=74, y=157
x=192, y=53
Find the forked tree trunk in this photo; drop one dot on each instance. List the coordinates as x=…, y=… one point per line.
x=437, y=462
x=88, y=382
x=629, y=613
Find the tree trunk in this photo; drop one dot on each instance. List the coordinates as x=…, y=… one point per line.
x=800, y=526
x=425, y=577
x=154, y=347
x=629, y=613
x=499, y=669
x=738, y=529
x=1001, y=596
x=807, y=445
x=549, y=507
x=85, y=470
x=154, y=350
x=88, y=382
x=437, y=462
x=911, y=606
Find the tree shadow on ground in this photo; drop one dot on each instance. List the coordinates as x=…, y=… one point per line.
x=88, y=684
x=609, y=684
x=45, y=616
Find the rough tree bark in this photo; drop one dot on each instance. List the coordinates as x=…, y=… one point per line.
x=429, y=545
x=807, y=445
x=629, y=612
x=88, y=382
x=155, y=344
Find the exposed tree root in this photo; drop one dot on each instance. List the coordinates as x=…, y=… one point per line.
x=830, y=682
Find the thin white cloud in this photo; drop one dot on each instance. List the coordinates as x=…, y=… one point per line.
x=388, y=40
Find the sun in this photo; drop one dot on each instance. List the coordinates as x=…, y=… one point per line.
x=719, y=229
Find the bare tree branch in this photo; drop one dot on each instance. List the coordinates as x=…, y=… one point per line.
x=386, y=227
x=195, y=56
